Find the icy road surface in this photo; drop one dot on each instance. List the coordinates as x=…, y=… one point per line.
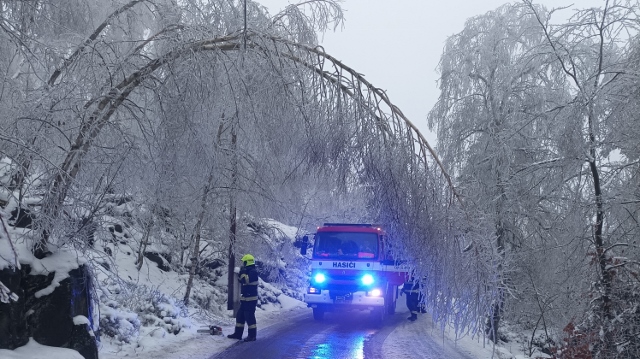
x=349, y=335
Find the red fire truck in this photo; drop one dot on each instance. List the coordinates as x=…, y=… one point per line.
x=352, y=268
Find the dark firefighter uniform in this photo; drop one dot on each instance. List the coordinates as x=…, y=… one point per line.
x=248, y=279
x=411, y=289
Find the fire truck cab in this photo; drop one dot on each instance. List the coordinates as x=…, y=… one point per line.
x=351, y=268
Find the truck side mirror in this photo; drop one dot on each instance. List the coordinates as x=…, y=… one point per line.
x=304, y=245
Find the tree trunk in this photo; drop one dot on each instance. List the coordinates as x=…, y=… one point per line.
x=232, y=257
x=232, y=225
x=606, y=315
x=195, y=254
x=143, y=246
x=497, y=308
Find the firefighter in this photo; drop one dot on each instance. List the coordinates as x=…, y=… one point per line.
x=412, y=290
x=248, y=278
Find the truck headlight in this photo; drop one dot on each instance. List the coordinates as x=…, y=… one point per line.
x=313, y=290
x=374, y=293
x=367, y=279
x=319, y=278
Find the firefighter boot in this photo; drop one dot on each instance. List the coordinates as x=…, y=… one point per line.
x=252, y=335
x=238, y=333
x=413, y=317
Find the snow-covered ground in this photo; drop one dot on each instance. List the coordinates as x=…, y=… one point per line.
x=189, y=344
x=406, y=335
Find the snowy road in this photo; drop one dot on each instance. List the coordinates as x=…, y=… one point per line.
x=347, y=335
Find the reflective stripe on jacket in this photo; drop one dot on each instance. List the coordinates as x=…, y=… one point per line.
x=249, y=280
x=411, y=287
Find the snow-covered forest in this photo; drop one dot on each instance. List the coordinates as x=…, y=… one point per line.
x=182, y=134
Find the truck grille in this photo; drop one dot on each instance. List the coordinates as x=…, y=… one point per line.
x=345, y=291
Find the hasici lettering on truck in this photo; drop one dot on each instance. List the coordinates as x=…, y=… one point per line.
x=352, y=268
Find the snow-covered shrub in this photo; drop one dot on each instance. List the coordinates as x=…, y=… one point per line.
x=134, y=306
x=267, y=293
x=296, y=278
x=612, y=333
x=155, y=308
x=278, y=261
x=118, y=322
x=208, y=296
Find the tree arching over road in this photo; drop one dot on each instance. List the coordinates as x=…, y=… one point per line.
x=380, y=119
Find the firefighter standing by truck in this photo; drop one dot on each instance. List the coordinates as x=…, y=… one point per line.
x=248, y=278
x=411, y=289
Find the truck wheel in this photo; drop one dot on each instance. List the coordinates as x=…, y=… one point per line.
x=318, y=314
x=391, y=307
x=377, y=316
x=390, y=301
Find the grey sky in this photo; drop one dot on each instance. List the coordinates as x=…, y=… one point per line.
x=397, y=44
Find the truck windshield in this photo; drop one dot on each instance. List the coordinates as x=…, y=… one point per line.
x=345, y=245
